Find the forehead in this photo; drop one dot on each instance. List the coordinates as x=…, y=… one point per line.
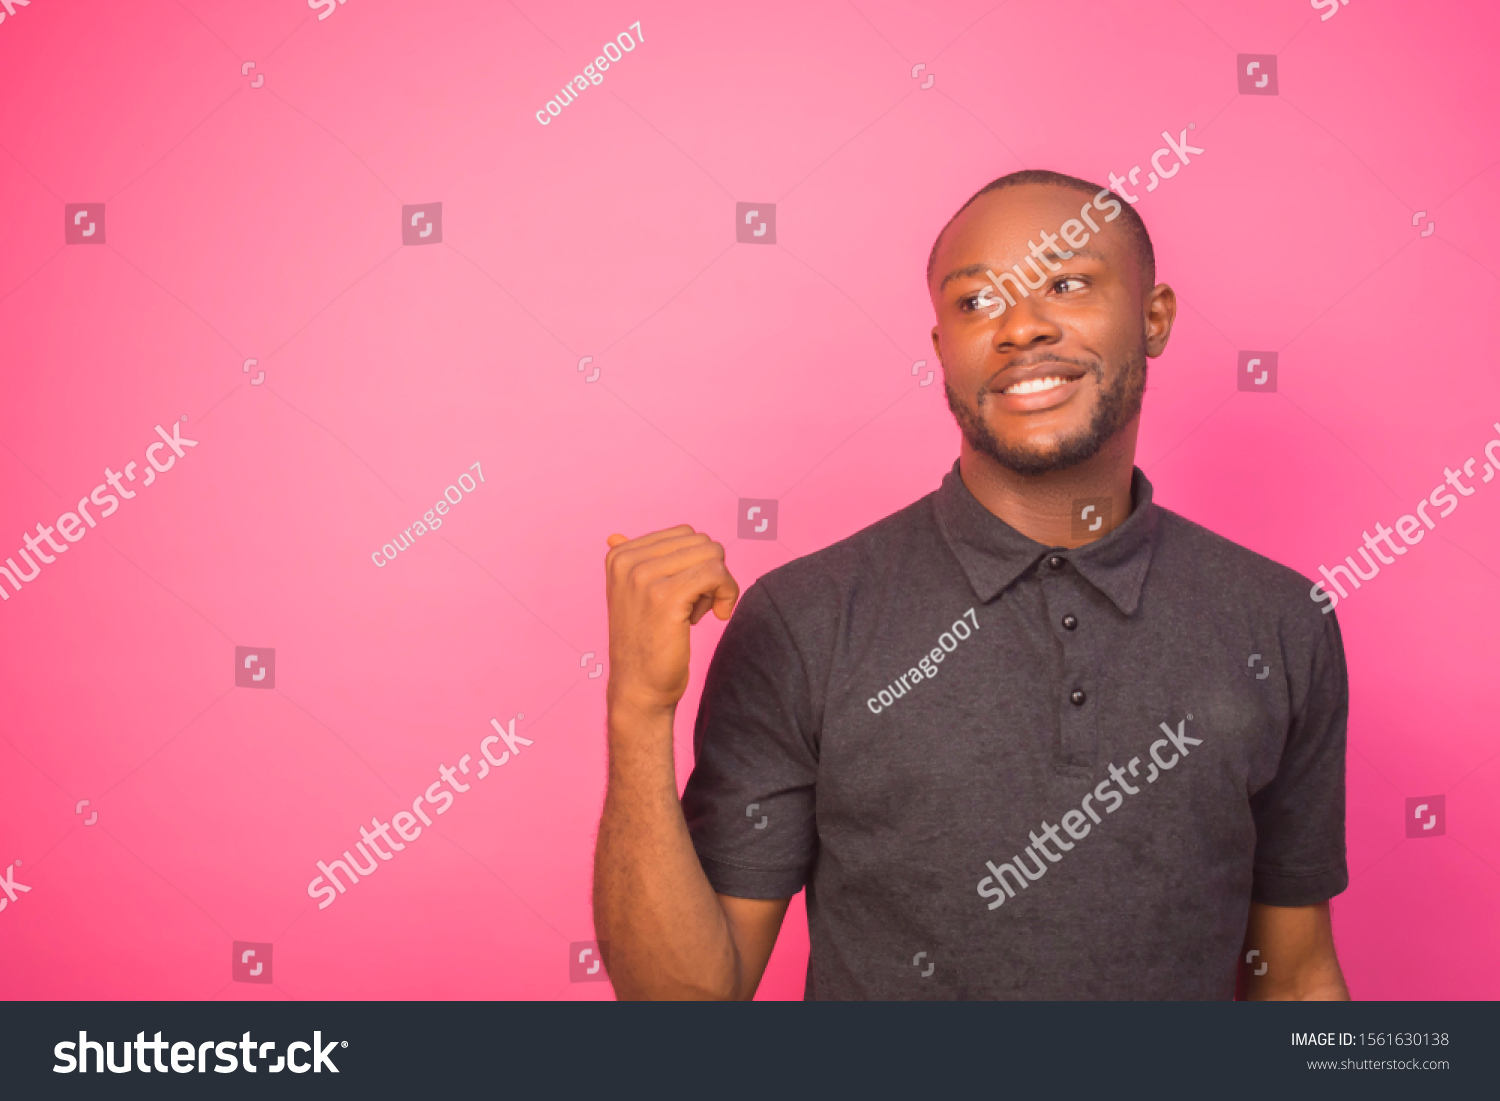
x=1001, y=222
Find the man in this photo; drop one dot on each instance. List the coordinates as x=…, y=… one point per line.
x=1032, y=736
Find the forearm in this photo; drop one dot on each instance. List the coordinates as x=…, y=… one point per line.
x=1334, y=991
x=1318, y=984
x=1298, y=963
x=668, y=935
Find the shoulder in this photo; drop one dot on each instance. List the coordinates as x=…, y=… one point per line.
x=1225, y=575
x=869, y=559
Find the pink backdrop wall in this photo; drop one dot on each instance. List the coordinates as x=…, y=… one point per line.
x=249, y=218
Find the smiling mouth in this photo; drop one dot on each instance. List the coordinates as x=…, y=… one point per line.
x=1037, y=385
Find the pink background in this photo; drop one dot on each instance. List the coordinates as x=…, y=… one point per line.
x=263, y=223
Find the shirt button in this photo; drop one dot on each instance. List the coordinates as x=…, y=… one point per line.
x=1078, y=697
x=1056, y=562
x=1070, y=621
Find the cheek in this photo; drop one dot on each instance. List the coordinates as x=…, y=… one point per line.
x=965, y=348
x=1110, y=328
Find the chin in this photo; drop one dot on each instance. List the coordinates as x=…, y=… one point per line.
x=1044, y=453
x=1039, y=461
x=1044, y=442
x=1045, y=445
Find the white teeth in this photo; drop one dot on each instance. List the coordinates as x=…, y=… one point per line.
x=1035, y=386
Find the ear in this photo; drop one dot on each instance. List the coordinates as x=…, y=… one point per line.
x=1160, y=313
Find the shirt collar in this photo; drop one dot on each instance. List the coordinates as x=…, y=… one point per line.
x=993, y=554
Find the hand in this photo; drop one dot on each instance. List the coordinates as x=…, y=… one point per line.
x=656, y=587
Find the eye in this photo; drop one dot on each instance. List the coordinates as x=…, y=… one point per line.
x=1060, y=283
x=980, y=301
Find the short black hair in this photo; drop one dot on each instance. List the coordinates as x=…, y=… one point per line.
x=1131, y=222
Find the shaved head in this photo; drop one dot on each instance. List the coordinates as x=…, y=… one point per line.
x=1130, y=221
x=1043, y=288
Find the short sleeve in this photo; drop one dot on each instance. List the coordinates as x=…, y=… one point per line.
x=1300, y=857
x=749, y=801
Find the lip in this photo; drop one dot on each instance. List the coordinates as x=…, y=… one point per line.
x=1043, y=399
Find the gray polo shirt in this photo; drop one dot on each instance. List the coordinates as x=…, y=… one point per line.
x=1004, y=770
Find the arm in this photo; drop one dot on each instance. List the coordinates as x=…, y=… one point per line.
x=1295, y=946
x=1300, y=858
x=669, y=934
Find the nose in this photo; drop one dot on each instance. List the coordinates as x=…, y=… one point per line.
x=1025, y=325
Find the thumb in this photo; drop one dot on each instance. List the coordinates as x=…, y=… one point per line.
x=700, y=606
x=616, y=540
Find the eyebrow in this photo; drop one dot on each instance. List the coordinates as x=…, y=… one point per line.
x=962, y=273
x=1050, y=253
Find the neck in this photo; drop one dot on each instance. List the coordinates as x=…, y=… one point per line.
x=1041, y=506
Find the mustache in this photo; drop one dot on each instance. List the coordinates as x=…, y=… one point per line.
x=1090, y=366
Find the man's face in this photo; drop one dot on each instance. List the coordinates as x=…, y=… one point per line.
x=1046, y=383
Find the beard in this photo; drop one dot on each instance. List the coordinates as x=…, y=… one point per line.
x=1118, y=405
